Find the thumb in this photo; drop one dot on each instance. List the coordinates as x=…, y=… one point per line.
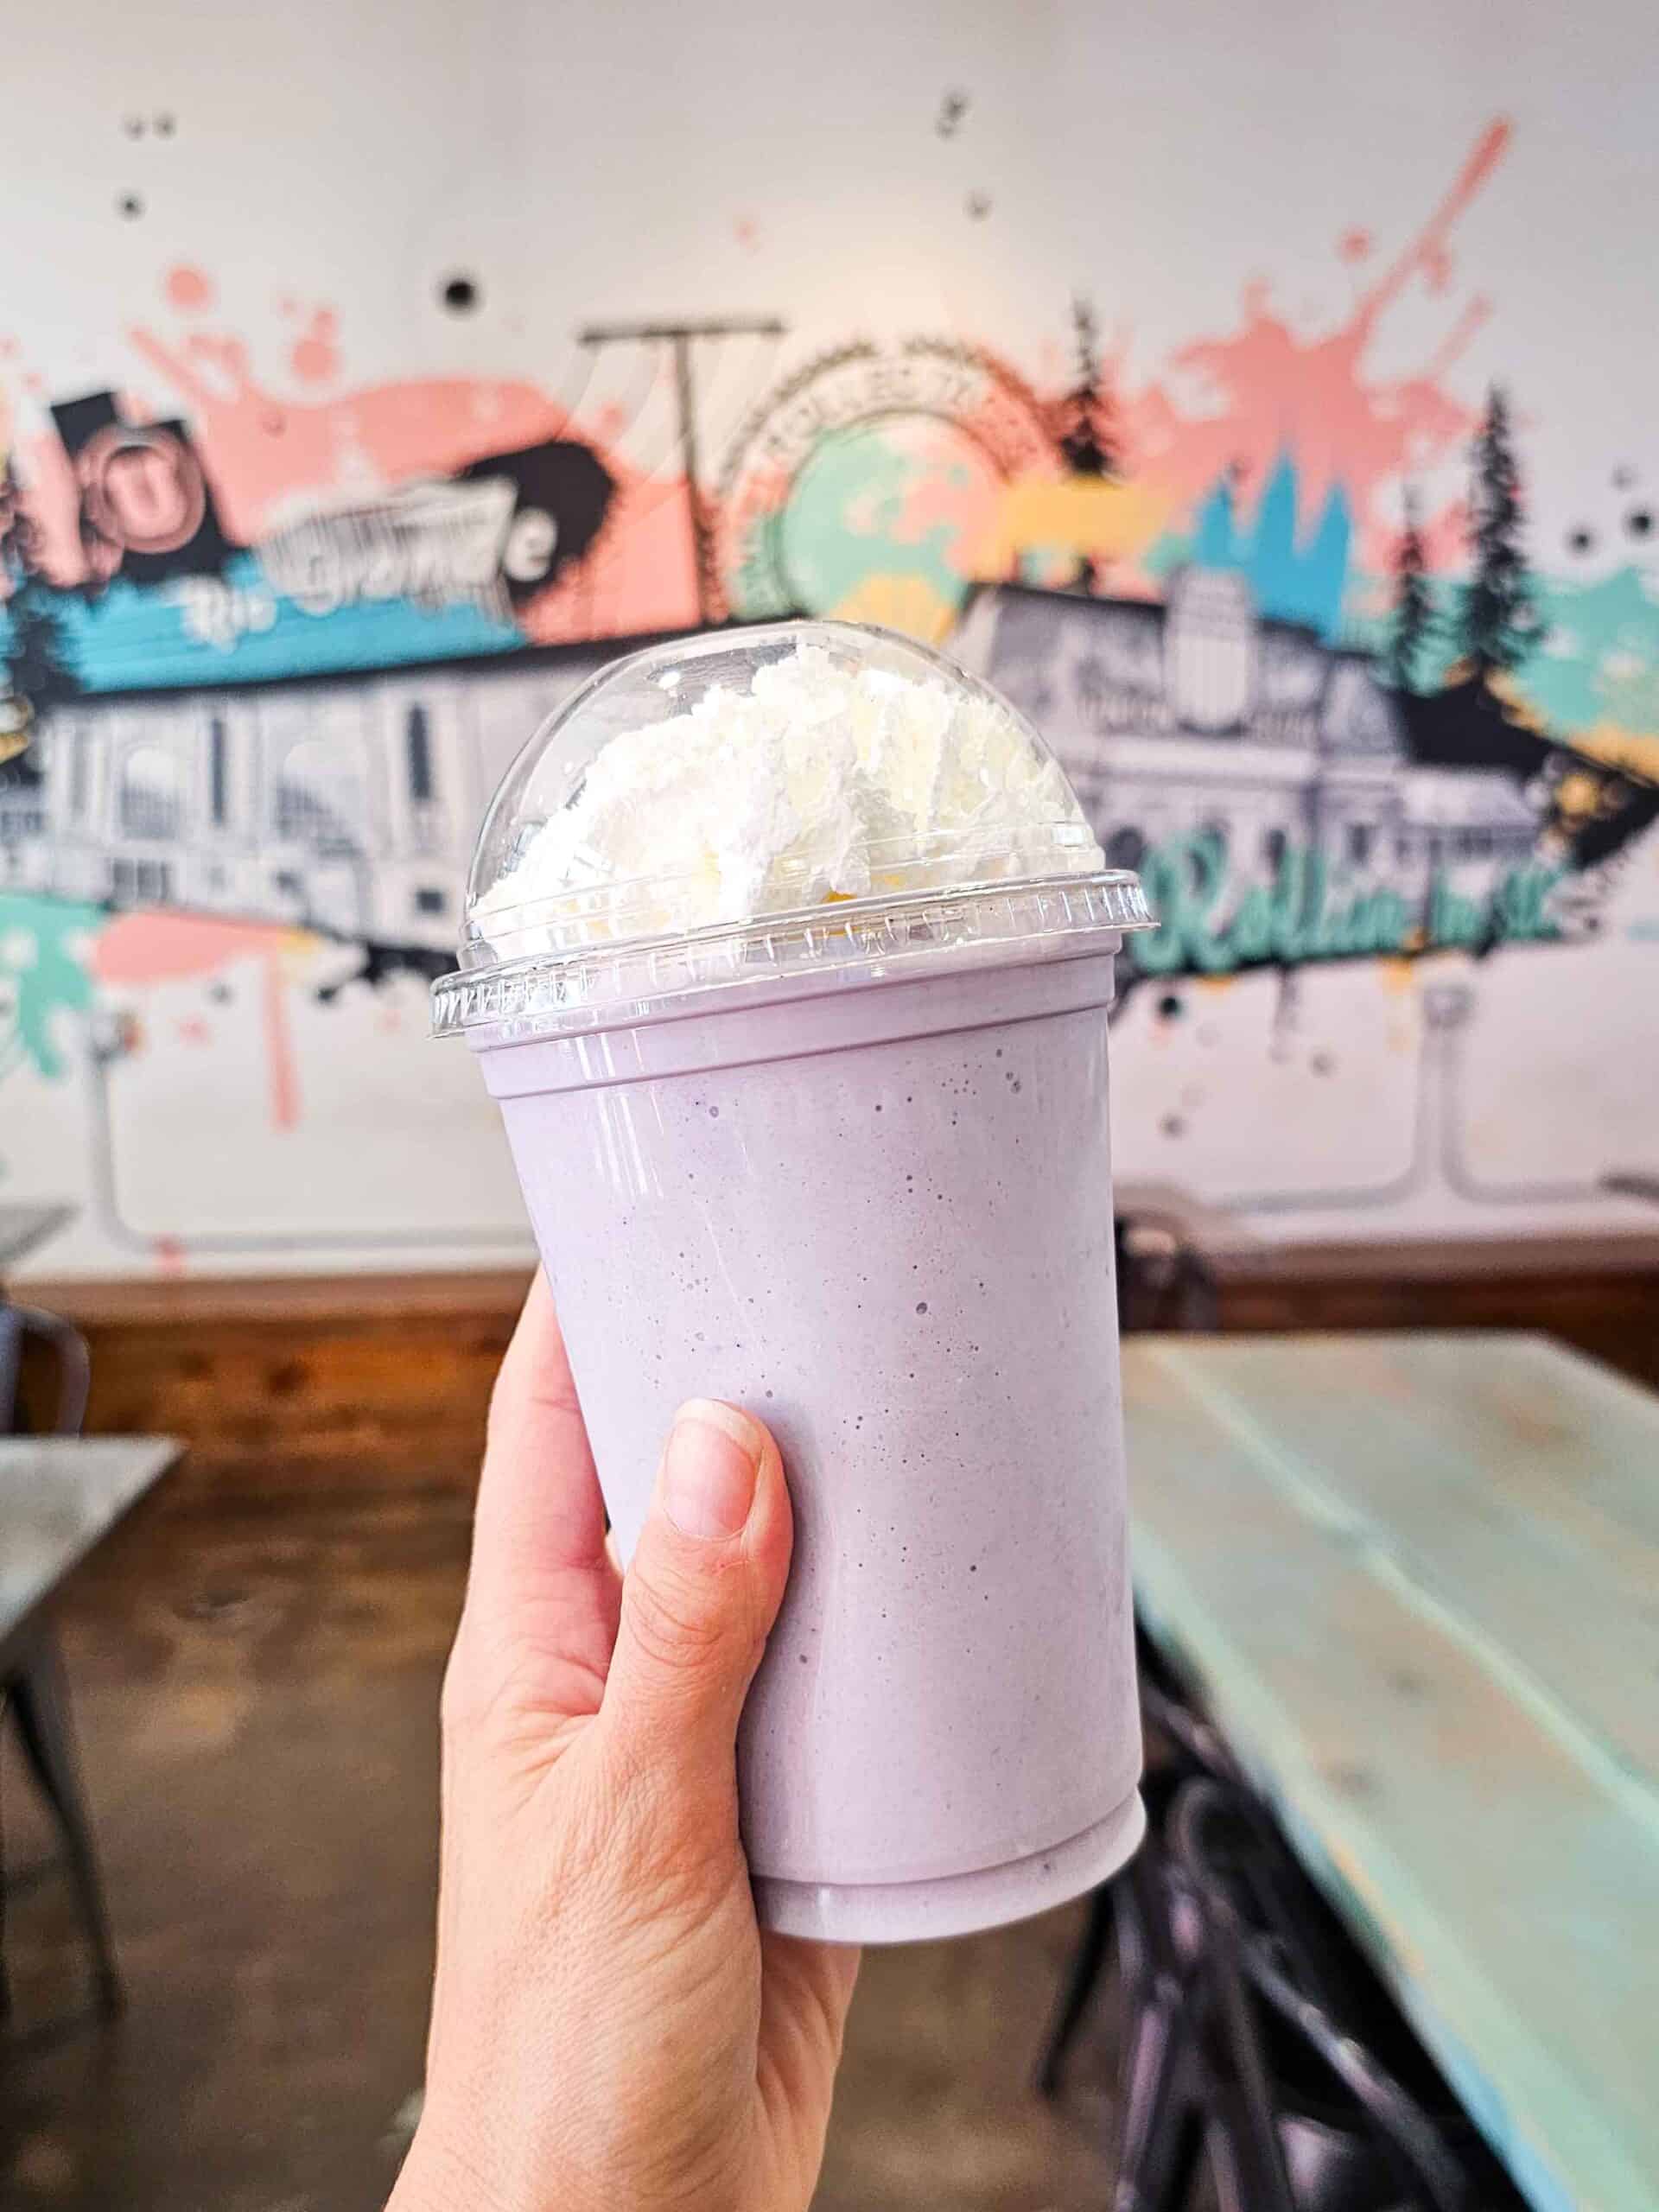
x=700, y=1595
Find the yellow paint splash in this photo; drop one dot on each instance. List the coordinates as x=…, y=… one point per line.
x=907, y=603
x=16, y=720
x=1084, y=515
x=1398, y=977
x=1633, y=752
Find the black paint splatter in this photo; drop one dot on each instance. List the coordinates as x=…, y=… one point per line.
x=381, y=963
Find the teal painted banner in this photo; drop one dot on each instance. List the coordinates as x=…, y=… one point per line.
x=1207, y=928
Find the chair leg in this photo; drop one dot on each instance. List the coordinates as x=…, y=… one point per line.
x=1247, y=2159
x=40, y=1699
x=1159, y=2119
x=1081, y=1974
x=1160, y=2113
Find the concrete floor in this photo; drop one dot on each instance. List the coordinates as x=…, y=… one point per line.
x=256, y=1696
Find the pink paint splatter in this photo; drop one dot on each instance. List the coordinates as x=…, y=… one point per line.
x=423, y=426
x=160, y=947
x=283, y=1073
x=951, y=495
x=1274, y=386
x=638, y=576
x=314, y=356
x=168, y=948
x=188, y=289
x=1271, y=383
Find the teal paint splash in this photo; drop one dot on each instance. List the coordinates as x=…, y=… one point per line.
x=1598, y=659
x=845, y=521
x=133, y=636
x=40, y=959
x=1293, y=577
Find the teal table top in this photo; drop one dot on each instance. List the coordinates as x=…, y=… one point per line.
x=1416, y=1581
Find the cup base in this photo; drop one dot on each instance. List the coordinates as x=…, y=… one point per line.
x=953, y=1904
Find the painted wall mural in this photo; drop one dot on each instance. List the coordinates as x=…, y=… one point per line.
x=1342, y=612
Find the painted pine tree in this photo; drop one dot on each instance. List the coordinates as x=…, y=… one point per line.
x=1413, y=603
x=40, y=673
x=1088, y=426
x=1497, y=618
x=37, y=658
x=1086, y=423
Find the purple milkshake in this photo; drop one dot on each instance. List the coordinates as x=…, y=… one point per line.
x=844, y=1159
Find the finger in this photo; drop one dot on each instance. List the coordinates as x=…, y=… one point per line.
x=542, y=1589
x=700, y=1596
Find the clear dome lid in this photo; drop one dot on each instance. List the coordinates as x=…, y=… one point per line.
x=804, y=795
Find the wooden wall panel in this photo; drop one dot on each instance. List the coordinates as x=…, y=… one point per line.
x=317, y=1388
x=344, y=1385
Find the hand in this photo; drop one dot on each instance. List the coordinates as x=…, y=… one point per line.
x=610, y=2031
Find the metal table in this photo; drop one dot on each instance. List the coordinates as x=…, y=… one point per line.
x=1416, y=1581
x=59, y=1497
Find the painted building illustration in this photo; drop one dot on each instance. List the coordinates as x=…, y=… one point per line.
x=1197, y=716
x=348, y=806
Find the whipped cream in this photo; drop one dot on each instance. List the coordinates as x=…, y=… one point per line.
x=819, y=782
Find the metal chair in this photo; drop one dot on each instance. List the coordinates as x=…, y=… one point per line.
x=1298, y=2114
x=1254, y=2039
x=33, y=1687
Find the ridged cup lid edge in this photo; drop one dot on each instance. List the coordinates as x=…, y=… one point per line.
x=605, y=984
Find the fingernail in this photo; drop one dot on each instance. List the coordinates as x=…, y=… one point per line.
x=709, y=1469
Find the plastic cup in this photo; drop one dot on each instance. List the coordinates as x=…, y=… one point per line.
x=847, y=1165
